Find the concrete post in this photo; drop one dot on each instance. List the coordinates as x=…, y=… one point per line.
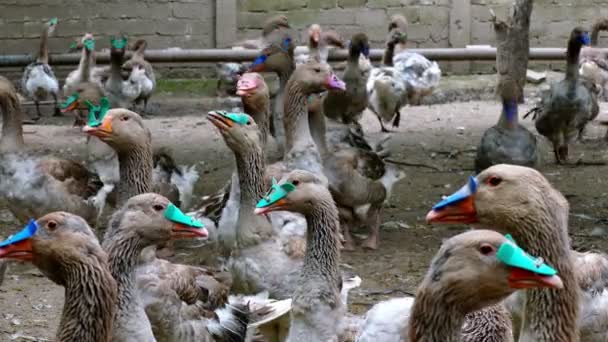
x=460, y=32
x=225, y=22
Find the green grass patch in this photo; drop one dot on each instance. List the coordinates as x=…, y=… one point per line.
x=187, y=86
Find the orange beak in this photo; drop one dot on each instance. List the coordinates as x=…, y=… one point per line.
x=101, y=131
x=524, y=279
x=276, y=206
x=21, y=250
x=181, y=231
x=220, y=121
x=460, y=212
x=71, y=107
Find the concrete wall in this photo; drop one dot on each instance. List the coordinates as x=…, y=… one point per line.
x=217, y=23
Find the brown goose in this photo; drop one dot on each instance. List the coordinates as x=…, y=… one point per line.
x=143, y=220
x=278, y=57
x=255, y=97
x=317, y=310
x=34, y=186
x=520, y=201
x=76, y=262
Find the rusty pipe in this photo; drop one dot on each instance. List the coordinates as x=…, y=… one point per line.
x=230, y=55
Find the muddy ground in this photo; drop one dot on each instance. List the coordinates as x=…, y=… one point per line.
x=443, y=136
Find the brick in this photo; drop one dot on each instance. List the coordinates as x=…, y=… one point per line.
x=302, y=18
x=324, y=4
x=336, y=17
x=371, y=18
x=383, y=3
x=289, y=5
x=259, y=5
x=191, y=10
x=351, y=3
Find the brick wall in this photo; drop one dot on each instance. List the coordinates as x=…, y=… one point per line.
x=183, y=23
x=209, y=23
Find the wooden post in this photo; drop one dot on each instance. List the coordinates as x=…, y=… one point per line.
x=460, y=31
x=225, y=22
x=513, y=45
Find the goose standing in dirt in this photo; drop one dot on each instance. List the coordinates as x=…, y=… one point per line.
x=39, y=81
x=566, y=108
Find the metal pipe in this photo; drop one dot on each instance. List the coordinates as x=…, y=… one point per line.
x=229, y=55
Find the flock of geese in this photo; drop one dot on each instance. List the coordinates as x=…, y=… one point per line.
x=280, y=241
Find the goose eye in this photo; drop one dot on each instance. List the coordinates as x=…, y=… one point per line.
x=295, y=182
x=248, y=123
x=158, y=207
x=317, y=70
x=51, y=225
x=494, y=181
x=486, y=249
x=124, y=118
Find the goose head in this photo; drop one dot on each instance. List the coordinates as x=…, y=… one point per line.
x=314, y=34
x=276, y=22
x=51, y=25
x=481, y=267
x=87, y=41
x=53, y=249
x=579, y=37
x=239, y=130
x=314, y=77
x=275, y=57
x=251, y=84
x=399, y=22
x=154, y=219
x=120, y=128
x=83, y=93
x=502, y=196
x=359, y=44
x=299, y=191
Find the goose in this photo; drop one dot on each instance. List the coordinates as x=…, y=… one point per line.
x=520, y=201
x=317, y=310
x=121, y=93
x=39, y=81
x=76, y=262
x=319, y=42
x=593, y=63
x=143, y=220
x=348, y=106
x=142, y=73
x=277, y=58
x=566, y=108
x=356, y=177
x=82, y=74
x=33, y=185
x=229, y=73
x=507, y=141
x=385, y=88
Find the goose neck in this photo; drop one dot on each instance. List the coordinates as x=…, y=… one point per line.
x=258, y=107
x=12, y=128
x=322, y=255
x=87, y=61
x=91, y=300
x=251, y=229
x=434, y=318
x=123, y=248
x=389, y=52
x=43, y=53
x=509, y=116
x=551, y=315
x=297, y=130
x=135, y=169
x=572, y=57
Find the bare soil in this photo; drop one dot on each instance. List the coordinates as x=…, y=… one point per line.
x=443, y=136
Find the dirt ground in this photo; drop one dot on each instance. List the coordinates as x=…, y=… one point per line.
x=443, y=136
